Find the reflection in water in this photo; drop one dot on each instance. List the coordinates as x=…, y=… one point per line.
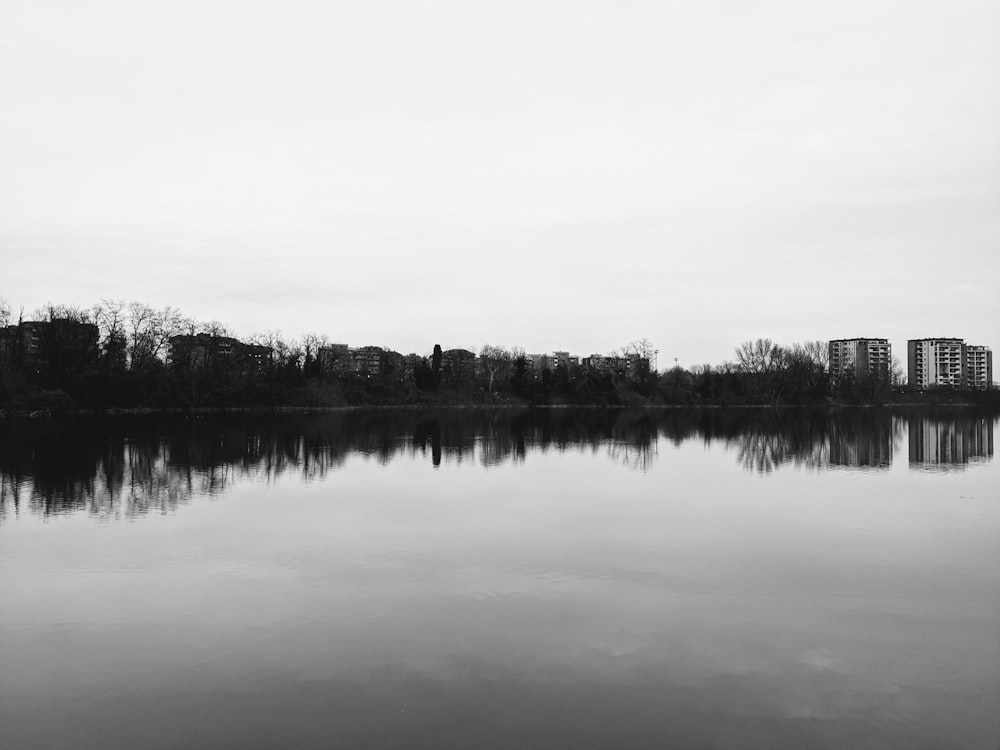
x=855, y=438
x=950, y=442
x=866, y=448
x=124, y=466
x=544, y=593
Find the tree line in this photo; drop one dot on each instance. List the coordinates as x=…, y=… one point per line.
x=127, y=359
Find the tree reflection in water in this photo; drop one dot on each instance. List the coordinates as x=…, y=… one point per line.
x=131, y=465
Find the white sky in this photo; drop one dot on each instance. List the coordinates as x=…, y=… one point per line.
x=555, y=175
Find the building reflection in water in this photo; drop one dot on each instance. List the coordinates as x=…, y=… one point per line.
x=870, y=448
x=126, y=466
x=950, y=441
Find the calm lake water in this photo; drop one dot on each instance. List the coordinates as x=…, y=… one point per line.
x=461, y=579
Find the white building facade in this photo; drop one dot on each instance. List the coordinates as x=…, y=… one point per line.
x=978, y=367
x=937, y=362
x=868, y=356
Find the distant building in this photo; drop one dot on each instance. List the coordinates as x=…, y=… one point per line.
x=936, y=362
x=565, y=360
x=536, y=364
x=410, y=364
x=199, y=351
x=458, y=364
x=374, y=361
x=861, y=356
x=978, y=367
x=334, y=358
x=206, y=352
x=636, y=364
x=255, y=358
x=596, y=363
x=393, y=365
x=367, y=360
x=59, y=346
x=10, y=338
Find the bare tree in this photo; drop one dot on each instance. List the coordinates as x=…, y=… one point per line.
x=110, y=317
x=294, y=355
x=286, y=354
x=311, y=344
x=618, y=361
x=7, y=338
x=215, y=328
x=50, y=312
x=496, y=360
x=760, y=363
x=641, y=348
x=819, y=353
x=149, y=332
x=896, y=377
x=274, y=344
x=804, y=370
x=758, y=357
x=640, y=354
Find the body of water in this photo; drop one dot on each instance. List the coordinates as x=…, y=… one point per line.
x=501, y=579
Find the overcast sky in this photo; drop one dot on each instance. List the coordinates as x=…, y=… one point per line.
x=554, y=175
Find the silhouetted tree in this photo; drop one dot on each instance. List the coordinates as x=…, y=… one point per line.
x=618, y=361
x=311, y=344
x=148, y=332
x=804, y=377
x=496, y=361
x=760, y=362
x=640, y=354
x=423, y=375
x=110, y=317
x=436, y=359
x=67, y=343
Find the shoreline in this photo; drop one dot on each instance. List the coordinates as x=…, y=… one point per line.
x=200, y=410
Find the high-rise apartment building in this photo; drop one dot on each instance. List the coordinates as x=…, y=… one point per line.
x=936, y=362
x=861, y=356
x=948, y=362
x=978, y=367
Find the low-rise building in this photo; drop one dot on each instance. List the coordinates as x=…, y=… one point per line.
x=538, y=363
x=367, y=360
x=458, y=364
x=256, y=358
x=206, y=352
x=59, y=346
x=564, y=360
x=596, y=363
x=411, y=362
x=334, y=358
x=201, y=351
